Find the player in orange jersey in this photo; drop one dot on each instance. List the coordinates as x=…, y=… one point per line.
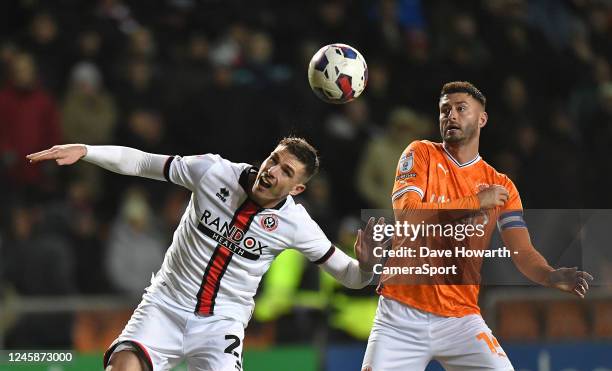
x=416, y=323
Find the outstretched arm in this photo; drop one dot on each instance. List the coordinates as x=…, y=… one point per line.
x=122, y=160
x=355, y=273
x=533, y=265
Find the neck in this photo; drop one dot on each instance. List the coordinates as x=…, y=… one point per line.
x=463, y=152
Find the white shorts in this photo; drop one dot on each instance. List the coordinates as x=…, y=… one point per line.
x=162, y=335
x=404, y=338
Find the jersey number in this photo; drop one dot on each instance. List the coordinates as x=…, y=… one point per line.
x=235, y=344
x=230, y=350
x=492, y=343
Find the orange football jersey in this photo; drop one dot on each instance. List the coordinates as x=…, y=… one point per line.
x=427, y=172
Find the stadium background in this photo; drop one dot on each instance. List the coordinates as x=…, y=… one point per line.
x=78, y=245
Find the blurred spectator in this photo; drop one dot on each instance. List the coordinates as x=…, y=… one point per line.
x=141, y=45
x=376, y=172
x=584, y=100
x=50, y=264
x=229, y=50
x=8, y=51
x=518, y=48
x=89, y=116
x=145, y=131
x=554, y=19
x=395, y=22
x=75, y=217
x=600, y=28
x=29, y=122
x=89, y=113
x=346, y=136
x=135, y=247
x=91, y=47
x=192, y=74
x=317, y=200
x=464, y=53
x=41, y=264
x=416, y=77
x=139, y=88
x=379, y=92
x=43, y=41
x=515, y=109
x=260, y=71
x=334, y=21
x=117, y=13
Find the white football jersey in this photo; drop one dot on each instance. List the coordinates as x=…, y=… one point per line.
x=225, y=242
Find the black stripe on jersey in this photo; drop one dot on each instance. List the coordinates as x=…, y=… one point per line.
x=243, y=180
x=167, y=168
x=327, y=255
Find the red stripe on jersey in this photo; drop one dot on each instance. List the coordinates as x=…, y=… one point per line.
x=212, y=279
x=220, y=259
x=245, y=214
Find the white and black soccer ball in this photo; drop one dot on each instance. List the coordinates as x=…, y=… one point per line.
x=337, y=73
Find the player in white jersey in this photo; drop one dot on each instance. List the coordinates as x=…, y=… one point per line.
x=238, y=220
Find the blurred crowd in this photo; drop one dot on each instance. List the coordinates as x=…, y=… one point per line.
x=229, y=77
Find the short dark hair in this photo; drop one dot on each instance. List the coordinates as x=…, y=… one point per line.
x=304, y=152
x=464, y=87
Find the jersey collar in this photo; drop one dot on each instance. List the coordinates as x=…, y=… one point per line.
x=465, y=164
x=244, y=181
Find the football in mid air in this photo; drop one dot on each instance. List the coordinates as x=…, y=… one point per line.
x=337, y=73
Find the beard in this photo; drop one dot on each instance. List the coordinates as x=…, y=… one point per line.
x=461, y=136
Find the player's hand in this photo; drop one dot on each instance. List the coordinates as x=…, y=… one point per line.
x=570, y=280
x=493, y=196
x=365, y=244
x=66, y=154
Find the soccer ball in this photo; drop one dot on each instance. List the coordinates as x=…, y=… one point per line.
x=337, y=73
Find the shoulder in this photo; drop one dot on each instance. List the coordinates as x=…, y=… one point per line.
x=499, y=177
x=422, y=147
x=222, y=163
x=298, y=216
x=295, y=211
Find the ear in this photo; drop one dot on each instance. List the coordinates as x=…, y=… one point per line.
x=483, y=119
x=299, y=188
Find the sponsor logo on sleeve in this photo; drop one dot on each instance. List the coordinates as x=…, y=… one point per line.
x=405, y=176
x=406, y=162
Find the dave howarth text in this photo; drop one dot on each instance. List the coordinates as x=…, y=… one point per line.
x=425, y=252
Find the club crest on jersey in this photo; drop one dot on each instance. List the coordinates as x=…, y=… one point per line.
x=269, y=222
x=406, y=162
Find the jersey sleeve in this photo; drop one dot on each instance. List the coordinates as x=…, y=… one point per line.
x=188, y=171
x=411, y=172
x=511, y=214
x=312, y=242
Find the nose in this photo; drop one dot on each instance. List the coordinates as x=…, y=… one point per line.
x=272, y=170
x=452, y=114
